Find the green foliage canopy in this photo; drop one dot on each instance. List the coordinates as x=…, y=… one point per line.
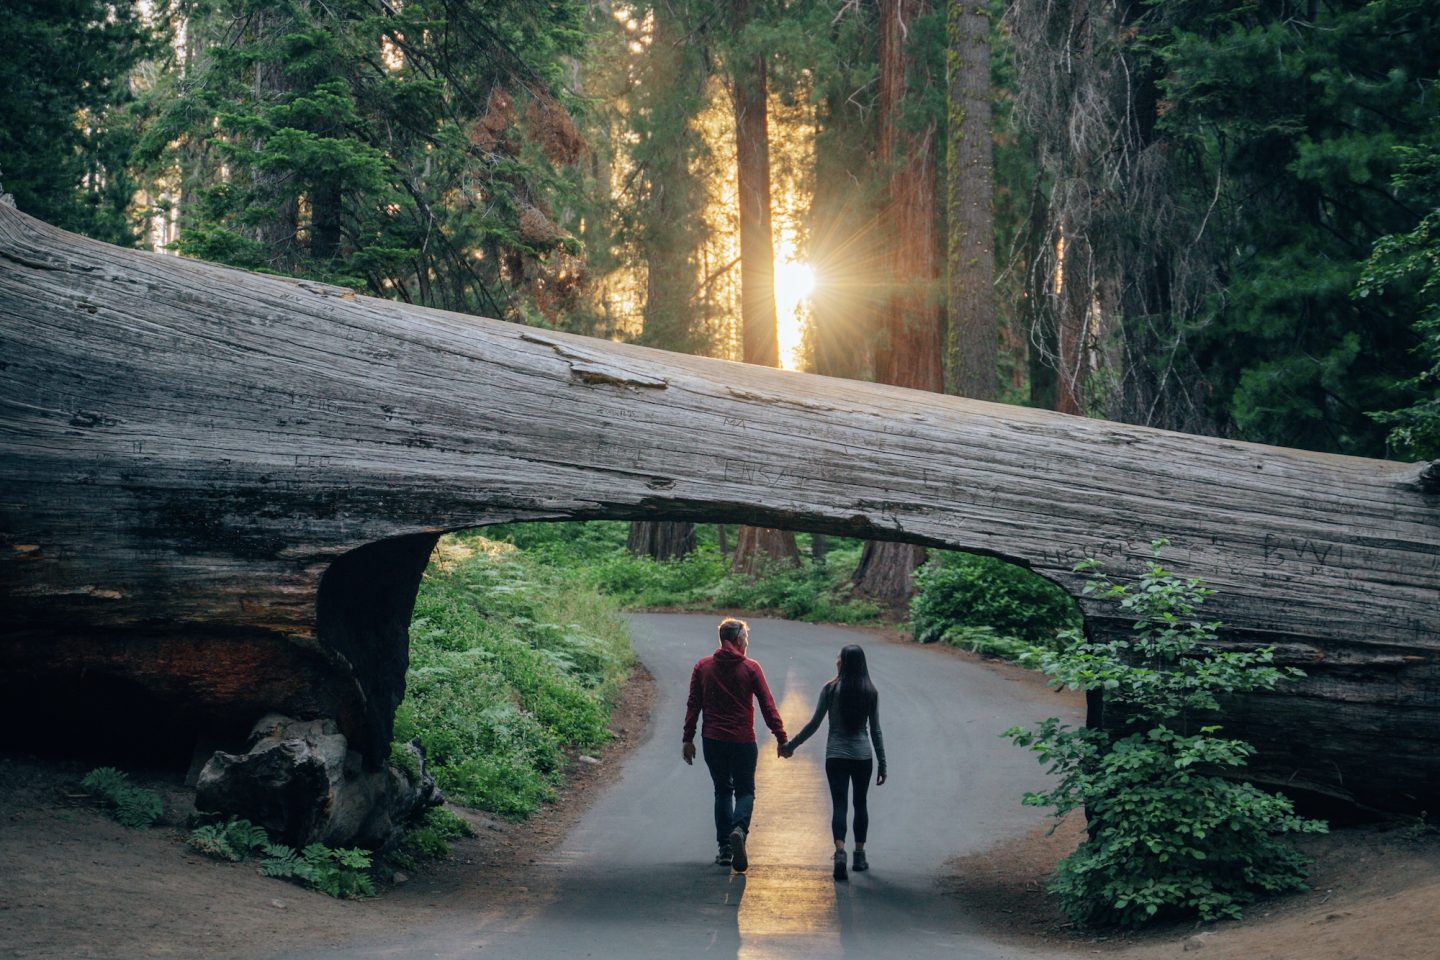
x=69, y=118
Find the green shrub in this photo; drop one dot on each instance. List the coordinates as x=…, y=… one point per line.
x=430, y=840
x=233, y=839
x=339, y=872
x=984, y=640
x=967, y=590
x=131, y=806
x=334, y=871
x=1168, y=835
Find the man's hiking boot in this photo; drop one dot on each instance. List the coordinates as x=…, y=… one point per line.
x=738, y=860
x=840, y=865
x=859, y=862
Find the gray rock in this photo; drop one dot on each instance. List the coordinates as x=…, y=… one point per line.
x=302, y=783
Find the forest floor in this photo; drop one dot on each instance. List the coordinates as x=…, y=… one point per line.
x=76, y=884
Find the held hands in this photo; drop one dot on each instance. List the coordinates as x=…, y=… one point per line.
x=784, y=750
x=687, y=752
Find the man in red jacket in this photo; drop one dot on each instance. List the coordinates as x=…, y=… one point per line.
x=721, y=686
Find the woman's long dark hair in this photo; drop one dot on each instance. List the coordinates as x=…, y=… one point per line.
x=856, y=692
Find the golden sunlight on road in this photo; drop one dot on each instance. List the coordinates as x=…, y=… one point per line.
x=788, y=891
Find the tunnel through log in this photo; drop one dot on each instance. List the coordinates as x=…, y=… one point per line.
x=188, y=449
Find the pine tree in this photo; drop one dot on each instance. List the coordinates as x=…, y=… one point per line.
x=422, y=150
x=69, y=115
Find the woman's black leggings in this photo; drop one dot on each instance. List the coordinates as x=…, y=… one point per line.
x=843, y=775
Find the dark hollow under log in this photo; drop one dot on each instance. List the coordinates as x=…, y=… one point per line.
x=223, y=487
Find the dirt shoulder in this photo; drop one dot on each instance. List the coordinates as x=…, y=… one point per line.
x=1373, y=894
x=75, y=884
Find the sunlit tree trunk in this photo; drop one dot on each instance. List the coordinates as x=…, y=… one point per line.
x=755, y=546
x=910, y=348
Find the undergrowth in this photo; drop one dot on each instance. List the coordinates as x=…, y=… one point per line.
x=338, y=872
x=428, y=840
x=594, y=554
x=511, y=662
x=131, y=806
x=990, y=606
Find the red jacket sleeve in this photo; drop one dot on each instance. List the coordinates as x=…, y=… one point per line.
x=767, y=704
x=692, y=706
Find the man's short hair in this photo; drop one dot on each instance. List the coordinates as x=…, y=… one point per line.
x=731, y=629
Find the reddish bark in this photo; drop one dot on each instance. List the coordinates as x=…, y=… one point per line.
x=760, y=339
x=910, y=348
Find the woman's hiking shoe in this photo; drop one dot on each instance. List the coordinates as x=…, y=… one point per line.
x=724, y=857
x=738, y=860
x=839, y=864
x=859, y=863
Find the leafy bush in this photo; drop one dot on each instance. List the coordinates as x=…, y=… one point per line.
x=233, y=839
x=510, y=662
x=334, y=871
x=430, y=840
x=339, y=872
x=1168, y=835
x=131, y=806
x=966, y=590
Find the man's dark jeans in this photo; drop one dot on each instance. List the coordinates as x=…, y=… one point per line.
x=732, y=770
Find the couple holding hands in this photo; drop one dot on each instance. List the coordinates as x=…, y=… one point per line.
x=722, y=686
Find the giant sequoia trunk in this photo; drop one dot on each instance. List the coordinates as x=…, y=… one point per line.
x=221, y=489
x=910, y=349
x=760, y=337
x=974, y=334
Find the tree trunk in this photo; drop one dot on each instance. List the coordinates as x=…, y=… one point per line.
x=910, y=349
x=760, y=338
x=661, y=539
x=974, y=334
x=325, y=210
x=218, y=490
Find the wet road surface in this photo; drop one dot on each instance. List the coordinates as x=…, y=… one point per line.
x=634, y=879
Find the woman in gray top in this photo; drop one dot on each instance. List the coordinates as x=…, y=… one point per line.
x=850, y=703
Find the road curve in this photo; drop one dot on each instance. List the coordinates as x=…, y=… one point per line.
x=634, y=878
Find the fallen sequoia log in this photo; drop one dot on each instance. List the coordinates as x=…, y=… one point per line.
x=219, y=491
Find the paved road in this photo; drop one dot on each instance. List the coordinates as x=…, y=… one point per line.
x=634, y=879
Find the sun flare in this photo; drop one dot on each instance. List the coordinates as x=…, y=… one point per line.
x=794, y=282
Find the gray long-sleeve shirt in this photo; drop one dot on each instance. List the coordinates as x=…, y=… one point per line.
x=840, y=743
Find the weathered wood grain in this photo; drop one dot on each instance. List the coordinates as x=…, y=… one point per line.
x=199, y=459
